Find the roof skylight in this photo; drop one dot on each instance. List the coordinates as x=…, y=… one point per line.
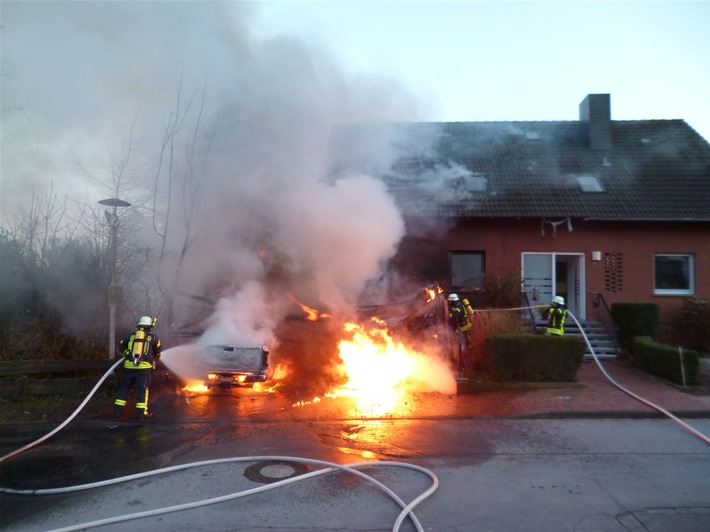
x=588, y=183
x=476, y=183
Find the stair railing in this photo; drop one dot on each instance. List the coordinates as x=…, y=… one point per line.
x=526, y=305
x=605, y=318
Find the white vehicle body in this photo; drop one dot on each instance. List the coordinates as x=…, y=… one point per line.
x=233, y=365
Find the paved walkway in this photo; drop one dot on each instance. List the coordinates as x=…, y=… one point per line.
x=594, y=396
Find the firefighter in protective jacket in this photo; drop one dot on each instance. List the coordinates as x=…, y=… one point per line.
x=141, y=349
x=460, y=315
x=557, y=315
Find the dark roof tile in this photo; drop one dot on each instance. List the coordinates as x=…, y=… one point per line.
x=654, y=170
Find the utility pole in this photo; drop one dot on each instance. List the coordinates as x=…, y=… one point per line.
x=114, y=291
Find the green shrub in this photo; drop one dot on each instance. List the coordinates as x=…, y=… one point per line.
x=534, y=358
x=695, y=323
x=635, y=319
x=664, y=360
x=485, y=324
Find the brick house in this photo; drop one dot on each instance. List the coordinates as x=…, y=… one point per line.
x=596, y=210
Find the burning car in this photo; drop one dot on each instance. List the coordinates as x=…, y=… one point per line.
x=233, y=365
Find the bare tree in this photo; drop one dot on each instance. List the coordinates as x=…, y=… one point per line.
x=49, y=290
x=183, y=166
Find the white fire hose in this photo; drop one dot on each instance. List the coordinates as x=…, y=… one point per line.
x=635, y=396
x=66, y=421
x=328, y=467
x=665, y=412
x=407, y=509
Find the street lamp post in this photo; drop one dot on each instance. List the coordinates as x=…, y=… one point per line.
x=114, y=291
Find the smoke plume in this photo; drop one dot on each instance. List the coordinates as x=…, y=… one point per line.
x=233, y=132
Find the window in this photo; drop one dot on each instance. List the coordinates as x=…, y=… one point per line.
x=466, y=269
x=674, y=274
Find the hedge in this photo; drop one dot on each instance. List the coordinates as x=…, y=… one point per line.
x=635, y=319
x=664, y=360
x=534, y=358
x=695, y=323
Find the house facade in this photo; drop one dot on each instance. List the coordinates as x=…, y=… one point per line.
x=593, y=266
x=596, y=210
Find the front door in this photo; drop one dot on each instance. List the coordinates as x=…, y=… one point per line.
x=546, y=275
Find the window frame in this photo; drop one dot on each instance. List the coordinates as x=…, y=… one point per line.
x=690, y=290
x=471, y=253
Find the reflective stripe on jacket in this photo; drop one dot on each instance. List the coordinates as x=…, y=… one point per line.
x=150, y=353
x=556, y=323
x=459, y=314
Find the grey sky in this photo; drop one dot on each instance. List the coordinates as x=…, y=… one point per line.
x=75, y=75
x=525, y=60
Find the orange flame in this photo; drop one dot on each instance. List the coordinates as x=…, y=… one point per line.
x=433, y=292
x=381, y=371
x=195, y=387
x=311, y=313
x=276, y=382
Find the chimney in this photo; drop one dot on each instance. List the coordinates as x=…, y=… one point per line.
x=595, y=113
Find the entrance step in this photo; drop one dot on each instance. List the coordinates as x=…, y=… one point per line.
x=602, y=343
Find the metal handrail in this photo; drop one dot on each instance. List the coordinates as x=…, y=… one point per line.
x=526, y=304
x=607, y=320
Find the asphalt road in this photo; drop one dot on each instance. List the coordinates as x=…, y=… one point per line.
x=493, y=474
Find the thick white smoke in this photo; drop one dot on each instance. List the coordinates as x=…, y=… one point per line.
x=257, y=114
x=273, y=222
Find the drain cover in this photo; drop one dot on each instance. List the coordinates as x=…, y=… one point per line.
x=274, y=470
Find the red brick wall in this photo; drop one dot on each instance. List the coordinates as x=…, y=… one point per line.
x=503, y=242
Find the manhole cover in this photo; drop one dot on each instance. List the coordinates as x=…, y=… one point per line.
x=274, y=470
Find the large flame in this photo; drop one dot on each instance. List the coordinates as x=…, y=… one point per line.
x=381, y=371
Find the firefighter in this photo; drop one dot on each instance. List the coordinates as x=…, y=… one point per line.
x=556, y=314
x=141, y=349
x=459, y=315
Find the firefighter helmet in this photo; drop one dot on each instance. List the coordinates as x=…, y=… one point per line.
x=145, y=321
x=453, y=297
x=559, y=300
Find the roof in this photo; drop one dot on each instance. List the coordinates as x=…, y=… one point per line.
x=654, y=169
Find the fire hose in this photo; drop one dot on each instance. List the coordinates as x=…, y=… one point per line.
x=662, y=410
x=66, y=421
x=328, y=467
x=407, y=509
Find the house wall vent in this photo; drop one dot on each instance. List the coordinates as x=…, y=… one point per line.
x=614, y=272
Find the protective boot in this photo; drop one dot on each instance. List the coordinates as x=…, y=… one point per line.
x=144, y=416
